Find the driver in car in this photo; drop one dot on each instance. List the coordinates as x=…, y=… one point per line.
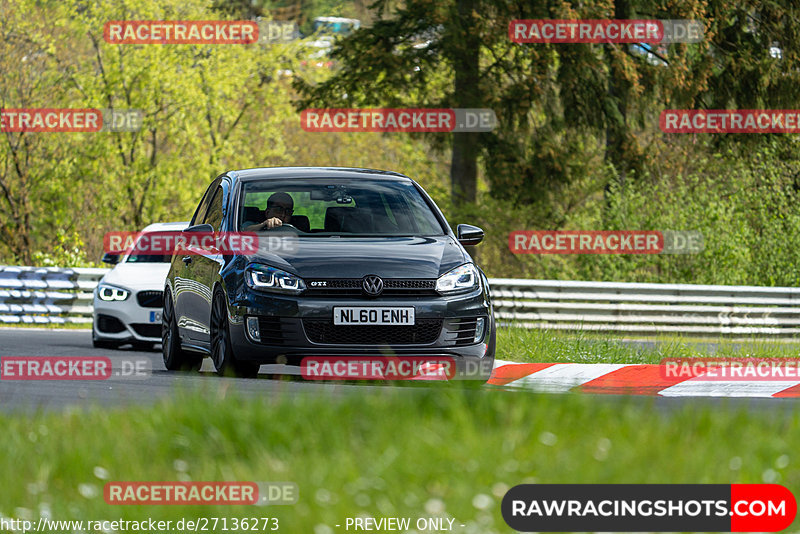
x=280, y=207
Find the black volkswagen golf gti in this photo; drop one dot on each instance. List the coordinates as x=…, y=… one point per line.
x=361, y=264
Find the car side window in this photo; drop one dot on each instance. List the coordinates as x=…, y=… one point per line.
x=214, y=214
x=202, y=208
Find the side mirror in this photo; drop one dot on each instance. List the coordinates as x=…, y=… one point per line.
x=468, y=234
x=111, y=259
x=200, y=228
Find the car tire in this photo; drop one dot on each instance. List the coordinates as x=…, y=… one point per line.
x=175, y=358
x=222, y=354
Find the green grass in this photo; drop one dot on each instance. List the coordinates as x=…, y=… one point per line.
x=523, y=345
x=391, y=452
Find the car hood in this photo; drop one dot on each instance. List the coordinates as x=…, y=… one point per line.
x=138, y=275
x=340, y=257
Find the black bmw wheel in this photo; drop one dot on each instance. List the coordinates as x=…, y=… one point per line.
x=224, y=359
x=175, y=358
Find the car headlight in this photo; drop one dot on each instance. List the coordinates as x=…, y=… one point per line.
x=109, y=293
x=463, y=278
x=266, y=278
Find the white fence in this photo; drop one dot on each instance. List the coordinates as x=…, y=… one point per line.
x=53, y=295
x=647, y=309
x=47, y=294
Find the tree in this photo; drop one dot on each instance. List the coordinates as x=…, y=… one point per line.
x=203, y=107
x=32, y=165
x=381, y=66
x=552, y=100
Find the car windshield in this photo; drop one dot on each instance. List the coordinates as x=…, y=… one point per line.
x=139, y=254
x=336, y=207
x=148, y=258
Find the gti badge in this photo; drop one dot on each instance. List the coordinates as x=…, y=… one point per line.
x=372, y=285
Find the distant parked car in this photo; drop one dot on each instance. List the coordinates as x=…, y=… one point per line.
x=129, y=298
x=339, y=26
x=318, y=53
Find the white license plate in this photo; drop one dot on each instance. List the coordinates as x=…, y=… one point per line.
x=155, y=317
x=353, y=315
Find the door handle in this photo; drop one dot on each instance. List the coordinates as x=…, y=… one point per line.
x=187, y=260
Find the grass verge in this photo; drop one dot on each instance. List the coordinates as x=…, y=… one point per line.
x=523, y=345
x=387, y=452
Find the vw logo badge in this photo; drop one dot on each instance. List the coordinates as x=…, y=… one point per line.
x=372, y=285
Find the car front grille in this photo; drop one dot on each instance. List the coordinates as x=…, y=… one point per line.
x=150, y=299
x=424, y=332
x=109, y=324
x=395, y=287
x=147, y=330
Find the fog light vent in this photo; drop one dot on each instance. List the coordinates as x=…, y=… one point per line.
x=252, y=329
x=479, y=328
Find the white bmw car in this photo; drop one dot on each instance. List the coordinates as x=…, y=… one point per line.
x=129, y=298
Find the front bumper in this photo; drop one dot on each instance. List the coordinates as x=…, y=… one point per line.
x=128, y=320
x=285, y=322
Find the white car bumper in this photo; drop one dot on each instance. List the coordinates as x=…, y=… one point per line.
x=128, y=320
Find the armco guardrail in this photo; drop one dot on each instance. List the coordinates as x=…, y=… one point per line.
x=647, y=309
x=47, y=294
x=54, y=295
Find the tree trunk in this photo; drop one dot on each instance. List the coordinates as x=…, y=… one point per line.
x=464, y=163
x=616, y=122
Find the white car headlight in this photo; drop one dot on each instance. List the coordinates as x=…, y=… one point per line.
x=109, y=293
x=266, y=278
x=461, y=278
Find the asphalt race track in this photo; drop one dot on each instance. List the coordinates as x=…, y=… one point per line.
x=56, y=394
x=157, y=383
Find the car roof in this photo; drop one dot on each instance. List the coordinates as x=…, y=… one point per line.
x=158, y=227
x=263, y=173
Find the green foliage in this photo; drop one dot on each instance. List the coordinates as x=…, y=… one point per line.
x=206, y=109
x=68, y=250
x=555, y=103
x=567, y=154
x=745, y=205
